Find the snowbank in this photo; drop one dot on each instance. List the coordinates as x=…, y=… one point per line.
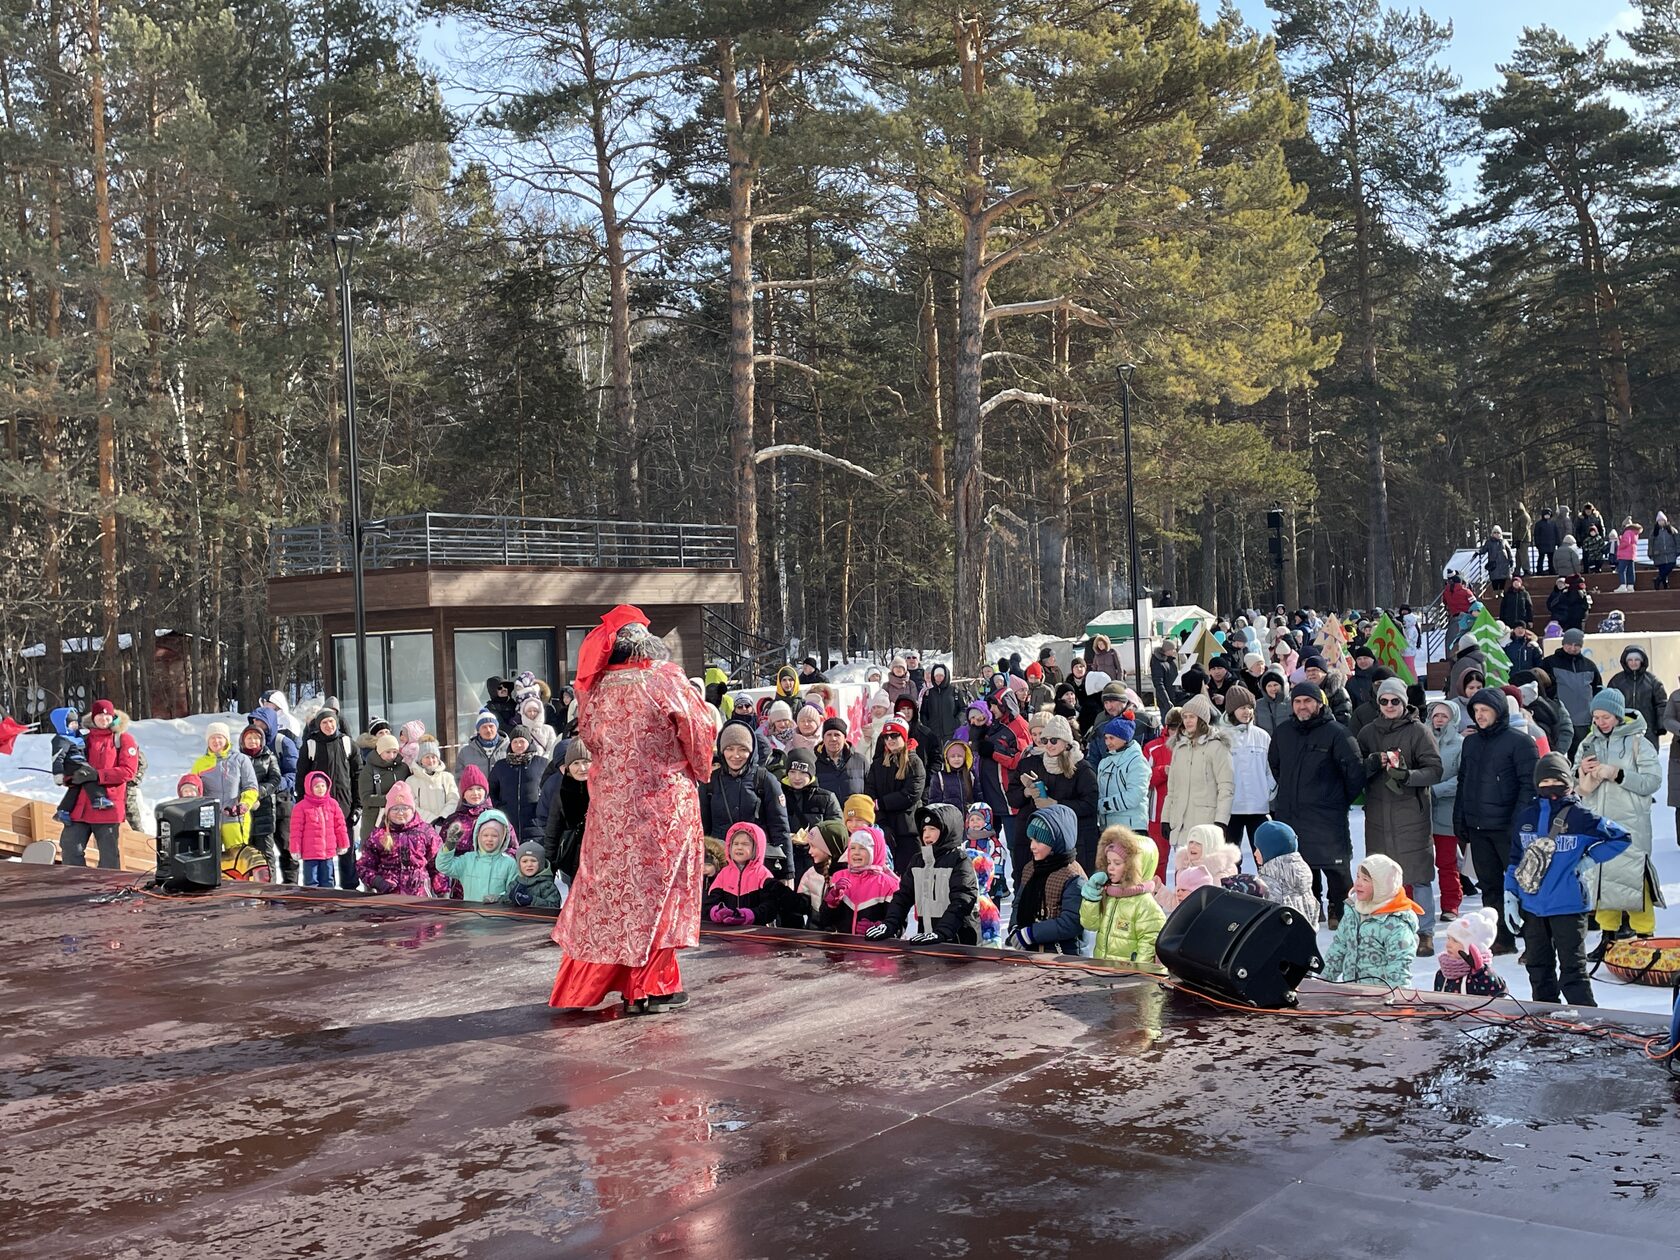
x=1027, y=645
x=170, y=746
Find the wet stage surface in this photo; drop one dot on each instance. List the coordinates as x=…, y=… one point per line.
x=233, y=1078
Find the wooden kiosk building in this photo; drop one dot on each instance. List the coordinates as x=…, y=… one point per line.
x=452, y=600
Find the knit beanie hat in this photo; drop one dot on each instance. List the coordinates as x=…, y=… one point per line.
x=521, y=732
x=576, y=751
x=398, y=796
x=802, y=759
x=1575, y=638
x=779, y=711
x=1475, y=927
x=472, y=777
x=386, y=743
x=428, y=748
x=1554, y=766
x=1391, y=687
x=215, y=729
x=1304, y=690
x=1095, y=681
x=532, y=849
x=1253, y=659
x=484, y=715
x=1610, y=701
x=980, y=707
x=1273, y=839
x=894, y=726
x=1121, y=728
x=1238, y=697
x=735, y=735
x=1034, y=672
x=859, y=807
x=1058, y=728
x=1315, y=662
x=835, y=724
x=1364, y=652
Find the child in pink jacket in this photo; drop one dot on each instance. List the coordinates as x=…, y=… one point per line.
x=318, y=831
x=396, y=856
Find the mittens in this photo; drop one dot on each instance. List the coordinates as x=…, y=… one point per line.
x=744, y=916
x=721, y=914
x=1092, y=889
x=1513, y=913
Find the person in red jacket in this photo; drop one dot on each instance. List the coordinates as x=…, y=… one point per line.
x=1158, y=753
x=112, y=761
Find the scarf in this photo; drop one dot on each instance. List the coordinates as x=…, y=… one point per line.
x=1455, y=968
x=1030, y=908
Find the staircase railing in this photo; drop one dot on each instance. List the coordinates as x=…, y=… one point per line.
x=749, y=656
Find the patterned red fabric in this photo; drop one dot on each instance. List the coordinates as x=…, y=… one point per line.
x=640, y=868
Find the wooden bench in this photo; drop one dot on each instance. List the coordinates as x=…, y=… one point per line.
x=23, y=821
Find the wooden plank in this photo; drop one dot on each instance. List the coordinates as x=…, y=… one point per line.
x=23, y=821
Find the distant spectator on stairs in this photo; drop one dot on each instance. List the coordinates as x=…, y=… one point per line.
x=1500, y=559
x=1663, y=549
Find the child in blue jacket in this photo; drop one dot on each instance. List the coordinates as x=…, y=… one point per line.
x=1546, y=898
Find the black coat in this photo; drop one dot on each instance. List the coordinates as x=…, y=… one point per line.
x=1319, y=775
x=1516, y=608
x=808, y=806
x=515, y=788
x=1495, y=770
x=336, y=758
x=941, y=711
x=753, y=796
x=1079, y=793
x=1163, y=676
x=896, y=801
x=1548, y=534
x=844, y=777
x=563, y=835
x=953, y=869
x=267, y=766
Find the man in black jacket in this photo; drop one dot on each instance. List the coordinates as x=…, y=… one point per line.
x=1495, y=780
x=1547, y=535
x=1335, y=695
x=1576, y=680
x=1319, y=773
x=1163, y=676
x=938, y=880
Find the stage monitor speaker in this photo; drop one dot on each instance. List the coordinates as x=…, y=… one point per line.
x=189, y=845
x=1243, y=948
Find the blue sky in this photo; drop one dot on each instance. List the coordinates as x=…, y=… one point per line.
x=1485, y=31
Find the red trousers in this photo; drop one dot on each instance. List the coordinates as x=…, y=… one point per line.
x=580, y=984
x=1446, y=871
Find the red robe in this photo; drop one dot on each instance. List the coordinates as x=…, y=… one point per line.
x=641, y=865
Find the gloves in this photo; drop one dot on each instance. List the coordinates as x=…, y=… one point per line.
x=1092, y=889
x=923, y=938
x=84, y=773
x=876, y=931
x=238, y=809
x=1373, y=764
x=983, y=745
x=1020, y=938
x=1397, y=774
x=1513, y=913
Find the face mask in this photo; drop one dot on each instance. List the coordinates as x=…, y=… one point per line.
x=1553, y=791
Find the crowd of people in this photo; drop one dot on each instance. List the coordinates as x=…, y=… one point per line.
x=1031, y=808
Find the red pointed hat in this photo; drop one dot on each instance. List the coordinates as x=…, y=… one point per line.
x=598, y=644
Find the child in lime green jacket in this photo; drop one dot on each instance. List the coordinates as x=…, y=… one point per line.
x=1118, y=903
x=486, y=871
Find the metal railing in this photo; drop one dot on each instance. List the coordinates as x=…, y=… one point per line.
x=461, y=541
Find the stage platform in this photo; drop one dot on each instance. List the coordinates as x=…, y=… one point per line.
x=347, y=1079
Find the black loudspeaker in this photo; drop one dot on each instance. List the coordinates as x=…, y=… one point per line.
x=189, y=845
x=1239, y=947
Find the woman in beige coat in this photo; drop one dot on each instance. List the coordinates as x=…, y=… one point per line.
x=1200, y=780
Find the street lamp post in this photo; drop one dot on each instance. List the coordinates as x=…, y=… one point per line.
x=344, y=250
x=1124, y=372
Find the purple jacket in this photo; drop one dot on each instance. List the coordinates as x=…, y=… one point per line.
x=401, y=869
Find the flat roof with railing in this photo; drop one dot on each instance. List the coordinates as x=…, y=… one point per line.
x=452, y=540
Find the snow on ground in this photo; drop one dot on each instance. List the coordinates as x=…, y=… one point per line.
x=1606, y=988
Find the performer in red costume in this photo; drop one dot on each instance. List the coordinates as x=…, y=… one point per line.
x=636, y=899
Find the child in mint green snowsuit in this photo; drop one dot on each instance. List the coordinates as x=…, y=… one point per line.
x=486, y=871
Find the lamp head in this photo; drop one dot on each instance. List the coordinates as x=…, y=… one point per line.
x=344, y=243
